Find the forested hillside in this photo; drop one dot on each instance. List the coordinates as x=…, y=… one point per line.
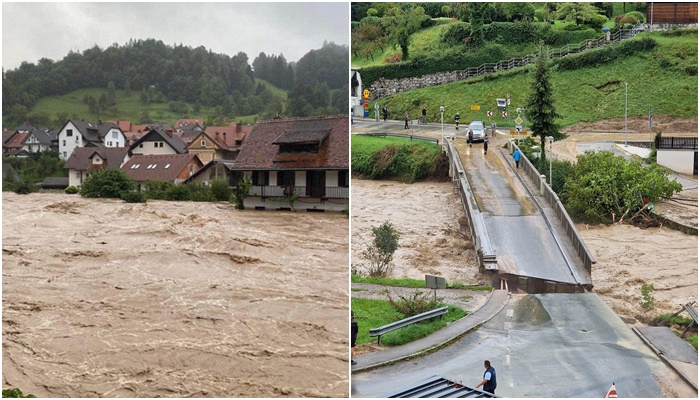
x=185, y=77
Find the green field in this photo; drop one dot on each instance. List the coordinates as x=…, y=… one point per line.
x=665, y=78
x=129, y=107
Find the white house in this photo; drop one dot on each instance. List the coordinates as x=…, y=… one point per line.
x=83, y=160
x=77, y=133
x=39, y=140
x=158, y=142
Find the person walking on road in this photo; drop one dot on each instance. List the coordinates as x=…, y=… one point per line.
x=425, y=117
x=457, y=121
x=493, y=129
x=470, y=137
x=385, y=112
x=516, y=157
x=489, y=381
x=486, y=144
x=405, y=120
x=354, y=329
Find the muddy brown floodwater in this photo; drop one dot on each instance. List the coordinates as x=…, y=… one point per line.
x=172, y=299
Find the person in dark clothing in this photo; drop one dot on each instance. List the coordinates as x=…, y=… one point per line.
x=425, y=112
x=486, y=144
x=470, y=137
x=353, y=337
x=457, y=121
x=405, y=120
x=385, y=112
x=489, y=381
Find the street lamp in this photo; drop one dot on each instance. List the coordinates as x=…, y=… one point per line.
x=442, y=122
x=625, y=114
x=551, y=140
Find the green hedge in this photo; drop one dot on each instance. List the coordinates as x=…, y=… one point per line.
x=593, y=58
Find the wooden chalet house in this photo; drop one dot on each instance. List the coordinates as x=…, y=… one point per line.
x=306, y=157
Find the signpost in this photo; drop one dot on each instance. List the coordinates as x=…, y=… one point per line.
x=505, y=114
x=376, y=112
x=435, y=283
x=489, y=114
x=474, y=108
x=365, y=96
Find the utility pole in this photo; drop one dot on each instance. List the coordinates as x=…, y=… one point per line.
x=625, y=114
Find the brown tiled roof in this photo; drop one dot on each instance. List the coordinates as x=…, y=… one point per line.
x=125, y=126
x=7, y=135
x=232, y=133
x=175, y=163
x=216, y=140
x=81, y=158
x=260, y=152
x=17, y=141
x=187, y=136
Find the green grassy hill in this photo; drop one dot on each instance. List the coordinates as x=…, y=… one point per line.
x=129, y=107
x=665, y=78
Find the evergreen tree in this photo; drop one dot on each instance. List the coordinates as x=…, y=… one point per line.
x=111, y=94
x=540, y=109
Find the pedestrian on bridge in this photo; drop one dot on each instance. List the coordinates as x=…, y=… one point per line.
x=516, y=157
x=470, y=137
x=486, y=144
x=405, y=120
x=489, y=381
x=354, y=329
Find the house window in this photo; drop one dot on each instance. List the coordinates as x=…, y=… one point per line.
x=115, y=135
x=64, y=142
x=299, y=148
x=203, y=143
x=261, y=178
x=167, y=166
x=69, y=132
x=343, y=178
x=141, y=146
x=191, y=169
x=285, y=178
x=65, y=154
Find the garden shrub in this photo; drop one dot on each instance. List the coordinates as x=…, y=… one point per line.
x=198, y=192
x=72, y=190
x=220, y=189
x=636, y=15
x=177, y=193
x=629, y=19
x=24, y=187
x=107, y=183
x=414, y=304
x=456, y=34
x=598, y=21
x=134, y=196
x=158, y=190
x=618, y=18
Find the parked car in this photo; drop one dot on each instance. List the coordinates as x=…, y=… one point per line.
x=477, y=128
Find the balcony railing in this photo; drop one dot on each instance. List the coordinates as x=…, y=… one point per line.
x=328, y=192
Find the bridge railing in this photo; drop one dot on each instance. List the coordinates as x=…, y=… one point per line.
x=562, y=215
x=477, y=227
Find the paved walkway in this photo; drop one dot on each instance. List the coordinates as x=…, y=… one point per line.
x=496, y=302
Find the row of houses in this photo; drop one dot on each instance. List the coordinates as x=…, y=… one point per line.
x=305, y=159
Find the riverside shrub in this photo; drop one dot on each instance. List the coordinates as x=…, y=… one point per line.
x=107, y=183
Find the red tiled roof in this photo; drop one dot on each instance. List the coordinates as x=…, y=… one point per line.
x=81, y=158
x=175, y=163
x=17, y=141
x=125, y=126
x=6, y=135
x=259, y=152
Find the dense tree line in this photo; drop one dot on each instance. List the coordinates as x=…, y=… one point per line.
x=175, y=74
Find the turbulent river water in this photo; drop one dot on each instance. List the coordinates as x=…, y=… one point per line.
x=172, y=299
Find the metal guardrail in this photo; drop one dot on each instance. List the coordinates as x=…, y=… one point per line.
x=405, y=322
x=477, y=227
x=439, y=387
x=562, y=215
x=677, y=143
x=399, y=135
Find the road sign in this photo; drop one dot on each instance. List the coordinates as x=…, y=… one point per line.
x=489, y=113
x=475, y=108
x=366, y=93
x=519, y=128
x=505, y=114
x=518, y=120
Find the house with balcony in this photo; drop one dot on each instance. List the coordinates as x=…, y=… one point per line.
x=303, y=158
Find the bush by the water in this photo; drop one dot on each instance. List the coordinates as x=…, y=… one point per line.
x=403, y=160
x=603, y=187
x=134, y=197
x=107, y=183
x=72, y=190
x=221, y=190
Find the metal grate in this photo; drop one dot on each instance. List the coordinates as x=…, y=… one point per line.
x=439, y=387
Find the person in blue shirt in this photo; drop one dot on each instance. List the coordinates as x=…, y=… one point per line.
x=489, y=381
x=516, y=157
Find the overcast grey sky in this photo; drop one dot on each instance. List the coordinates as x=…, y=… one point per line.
x=31, y=31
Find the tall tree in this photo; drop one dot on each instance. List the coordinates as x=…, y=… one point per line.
x=579, y=12
x=400, y=25
x=540, y=109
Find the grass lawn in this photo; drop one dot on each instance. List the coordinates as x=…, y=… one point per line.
x=375, y=313
x=407, y=282
x=370, y=144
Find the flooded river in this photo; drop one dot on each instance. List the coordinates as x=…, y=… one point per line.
x=172, y=299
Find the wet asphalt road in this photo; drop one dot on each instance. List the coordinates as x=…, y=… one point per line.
x=549, y=345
